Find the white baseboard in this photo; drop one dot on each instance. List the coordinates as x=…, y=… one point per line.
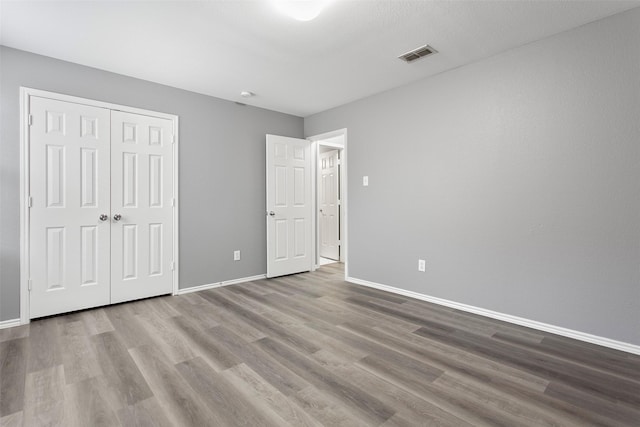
x=565, y=332
x=220, y=284
x=9, y=323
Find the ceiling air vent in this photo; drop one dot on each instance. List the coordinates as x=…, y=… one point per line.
x=418, y=53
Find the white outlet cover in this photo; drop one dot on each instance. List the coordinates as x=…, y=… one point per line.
x=236, y=255
x=365, y=181
x=422, y=265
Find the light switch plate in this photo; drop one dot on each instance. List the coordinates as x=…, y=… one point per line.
x=365, y=181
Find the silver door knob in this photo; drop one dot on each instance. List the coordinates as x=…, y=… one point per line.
x=272, y=213
x=117, y=217
x=103, y=217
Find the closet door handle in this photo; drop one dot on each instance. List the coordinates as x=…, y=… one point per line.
x=117, y=217
x=103, y=217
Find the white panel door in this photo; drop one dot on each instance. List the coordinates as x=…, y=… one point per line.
x=288, y=205
x=141, y=201
x=69, y=186
x=328, y=203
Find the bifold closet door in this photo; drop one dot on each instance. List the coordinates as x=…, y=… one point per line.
x=141, y=206
x=101, y=215
x=69, y=232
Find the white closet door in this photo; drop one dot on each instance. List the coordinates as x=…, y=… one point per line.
x=69, y=185
x=141, y=201
x=288, y=205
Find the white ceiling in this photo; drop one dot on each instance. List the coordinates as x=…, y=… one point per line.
x=221, y=48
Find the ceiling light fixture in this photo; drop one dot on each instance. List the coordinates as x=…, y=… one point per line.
x=246, y=94
x=301, y=10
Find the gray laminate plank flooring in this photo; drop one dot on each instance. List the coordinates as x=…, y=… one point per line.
x=305, y=350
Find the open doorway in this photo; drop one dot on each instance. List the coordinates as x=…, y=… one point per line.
x=329, y=204
x=330, y=198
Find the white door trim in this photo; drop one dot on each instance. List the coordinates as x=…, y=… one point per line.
x=25, y=95
x=317, y=140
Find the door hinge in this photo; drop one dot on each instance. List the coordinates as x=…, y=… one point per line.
x=30, y=119
x=30, y=282
x=173, y=139
x=173, y=202
x=173, y=265
x=30, y=201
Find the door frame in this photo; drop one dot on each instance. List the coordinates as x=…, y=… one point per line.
x=316, y=142
x=25, y=95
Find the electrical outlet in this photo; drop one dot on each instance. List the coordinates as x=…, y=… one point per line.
x=236, y=255
x=422, y=265
x=365, y=181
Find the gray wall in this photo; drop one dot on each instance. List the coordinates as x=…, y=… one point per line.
x=517, y=178
x=222, y=167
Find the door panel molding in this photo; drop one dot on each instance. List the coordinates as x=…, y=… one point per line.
x=56, y=124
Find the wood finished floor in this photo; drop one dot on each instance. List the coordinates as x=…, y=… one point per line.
x=305, y=350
